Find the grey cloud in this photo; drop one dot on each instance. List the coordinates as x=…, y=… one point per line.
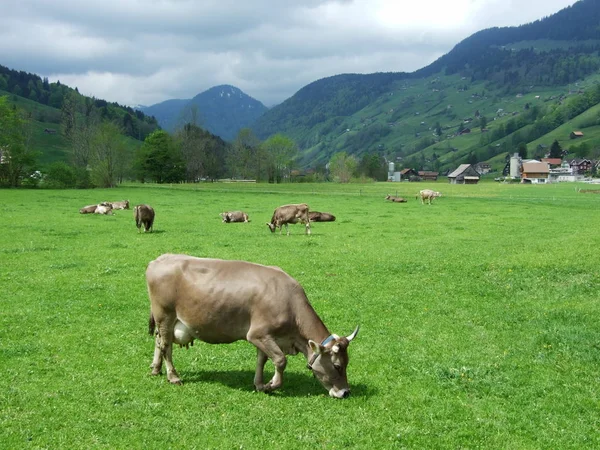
x=146, y=51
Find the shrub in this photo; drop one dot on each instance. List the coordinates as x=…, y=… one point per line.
x=60, y=176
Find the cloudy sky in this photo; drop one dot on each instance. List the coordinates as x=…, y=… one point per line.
x=146, y=51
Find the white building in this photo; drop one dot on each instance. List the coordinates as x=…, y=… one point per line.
x=564, y=173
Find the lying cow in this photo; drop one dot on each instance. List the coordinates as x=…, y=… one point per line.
x=143, y=215
x=287, y=214
x=428, y=194
x=234, y=216
x=316, y=216
x=120, y=205
x=89, y=209
x=104, y=208
x=391, y=198
x=219, y=302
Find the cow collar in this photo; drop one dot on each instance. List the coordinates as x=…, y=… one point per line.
x=314, y=357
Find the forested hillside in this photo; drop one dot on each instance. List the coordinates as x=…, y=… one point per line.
x=53, y=128
x=495, y=90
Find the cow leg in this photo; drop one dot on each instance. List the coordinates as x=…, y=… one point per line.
x=268, y=347
x=156, y=365
x=166, y=349
x=287, y=229
x=307, y=231
x=261, y=359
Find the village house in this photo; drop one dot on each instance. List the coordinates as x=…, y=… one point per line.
x=552, y=162
x=533, y=171
x=564, y=173
x=581, y=166
x=428, y=176
x=464, y=174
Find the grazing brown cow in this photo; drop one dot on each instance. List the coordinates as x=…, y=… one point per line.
x=104, y=208
x=429, y=195
x=234, y=216
x=144, y=215
x=289, y=214
x=219, y=302
x=89, y=209
x=391, y=198
x=316, y=216
x=120, y=205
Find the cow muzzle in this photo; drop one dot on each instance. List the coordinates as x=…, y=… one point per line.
x=341, y=393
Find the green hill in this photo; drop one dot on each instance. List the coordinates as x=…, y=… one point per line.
x=522, y=83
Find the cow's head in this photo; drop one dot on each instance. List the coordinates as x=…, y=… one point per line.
x=329, y=362
x=271, y=227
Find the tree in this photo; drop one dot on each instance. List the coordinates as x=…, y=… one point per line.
x=556, y=150
x=279, y=151
x=482, y=122
x=159, y=159
x=522, y=150
x=17, y=158
x=244, y=159
x=109, y=155
x=342, y=167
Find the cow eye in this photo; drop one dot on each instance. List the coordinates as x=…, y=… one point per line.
x=337, y=367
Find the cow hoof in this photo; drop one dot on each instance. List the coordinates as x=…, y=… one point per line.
x=156, y=372
x=176, y=381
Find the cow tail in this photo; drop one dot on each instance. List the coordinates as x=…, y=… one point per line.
x=151, y=325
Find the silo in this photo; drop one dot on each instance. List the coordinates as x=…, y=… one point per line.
x=515, y=166
x=391, y=167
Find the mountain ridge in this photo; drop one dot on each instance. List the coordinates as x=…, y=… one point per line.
x=222, y=110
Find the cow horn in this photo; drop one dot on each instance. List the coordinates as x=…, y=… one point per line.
x=354, y=333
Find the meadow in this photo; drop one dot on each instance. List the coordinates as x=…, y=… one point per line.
x=479, y=319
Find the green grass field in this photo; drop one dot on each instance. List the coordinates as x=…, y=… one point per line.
x=479, y=319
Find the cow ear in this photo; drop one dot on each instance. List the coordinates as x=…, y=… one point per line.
x=316, y=348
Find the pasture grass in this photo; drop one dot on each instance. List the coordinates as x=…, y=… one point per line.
x=479, y=319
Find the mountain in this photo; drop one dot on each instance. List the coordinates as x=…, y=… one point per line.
x=222, y=110
x=494, y=90
x=166, y=113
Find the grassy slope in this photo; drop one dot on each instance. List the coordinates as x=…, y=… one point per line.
x=430, y=99
x=478, y=313
x=51, y=147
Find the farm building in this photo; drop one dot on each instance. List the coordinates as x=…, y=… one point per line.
x=465, y=174
x=428, y=176
x=409, y=175
x=581, y=165
x=564, y=173
x=576, y=134
x=534, y=171
x=553, y=162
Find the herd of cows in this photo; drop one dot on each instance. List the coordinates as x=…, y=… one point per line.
x=223, y=301
x=143, y=214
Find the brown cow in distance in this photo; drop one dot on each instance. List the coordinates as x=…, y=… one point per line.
x=391, y=198
x=234, y=216
x=144, y=215
x=220, y=301
x=89, y=209
x=316, y=216
x=287, y=214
